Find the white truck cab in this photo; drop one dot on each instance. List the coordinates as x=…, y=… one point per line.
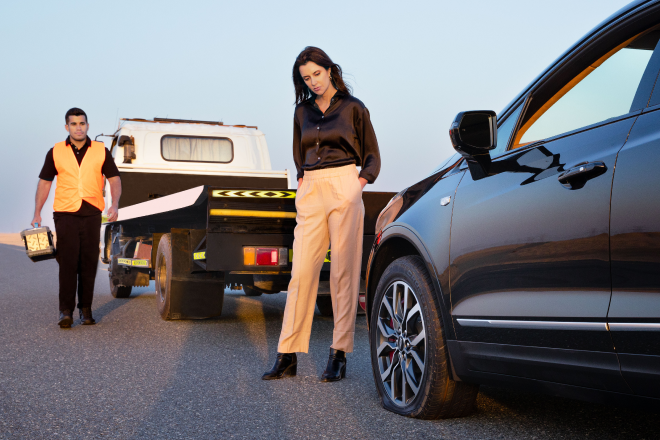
x=163, y=156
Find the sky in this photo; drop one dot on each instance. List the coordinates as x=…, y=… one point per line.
x=414, y=64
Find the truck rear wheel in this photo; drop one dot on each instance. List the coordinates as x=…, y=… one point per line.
x=120, y=291
x=181, y=294
x=249, y=291
x=324, y=303
x=117, y=291
x=164, y=276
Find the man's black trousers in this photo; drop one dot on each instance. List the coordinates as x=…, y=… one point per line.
x=78, y=257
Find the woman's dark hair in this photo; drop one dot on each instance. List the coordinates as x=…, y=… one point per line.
x=316, y=55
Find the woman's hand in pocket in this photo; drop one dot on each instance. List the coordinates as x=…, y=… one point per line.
x=299, y=183
x=363, y=182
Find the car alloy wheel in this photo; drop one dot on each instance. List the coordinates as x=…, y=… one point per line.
x=401, y=351
x=409, y=355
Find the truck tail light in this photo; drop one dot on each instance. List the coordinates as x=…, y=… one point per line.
x=266, y=256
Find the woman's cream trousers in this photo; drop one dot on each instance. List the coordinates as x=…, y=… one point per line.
x=330, y=210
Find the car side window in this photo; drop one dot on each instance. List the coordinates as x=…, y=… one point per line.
x=604, y=90
x=504, y=132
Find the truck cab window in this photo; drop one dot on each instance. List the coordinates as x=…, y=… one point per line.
x=604, y=90
x=197, y=149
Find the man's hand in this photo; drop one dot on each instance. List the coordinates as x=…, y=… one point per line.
x=363, y=182
x=299, y=183
x=115, y=192
x=112, y=214
x=36, y=221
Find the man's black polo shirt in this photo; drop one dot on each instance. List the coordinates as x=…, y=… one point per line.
x=48, y=172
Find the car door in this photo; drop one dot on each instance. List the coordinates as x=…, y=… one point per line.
x=634, y=314
x=530, y=268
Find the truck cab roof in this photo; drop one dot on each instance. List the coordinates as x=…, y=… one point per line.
x=183, y=145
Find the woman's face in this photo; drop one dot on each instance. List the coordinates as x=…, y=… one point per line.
x=316, y=77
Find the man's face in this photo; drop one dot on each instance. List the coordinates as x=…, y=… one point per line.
x=77, y=128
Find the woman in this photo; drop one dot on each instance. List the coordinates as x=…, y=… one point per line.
x=332, y=134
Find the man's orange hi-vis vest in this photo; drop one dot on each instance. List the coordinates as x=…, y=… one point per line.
x=75, y=183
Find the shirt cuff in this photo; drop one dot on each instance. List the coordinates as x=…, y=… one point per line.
x=367, y=176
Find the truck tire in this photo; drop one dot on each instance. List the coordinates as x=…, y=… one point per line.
x=249, y=291
x=181, y=294
x=120, y=291
x=406, y=329
x=324, y=304
x=163, y=269
x=116, y=290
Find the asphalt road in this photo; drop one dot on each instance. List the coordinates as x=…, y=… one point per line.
x=134, y=376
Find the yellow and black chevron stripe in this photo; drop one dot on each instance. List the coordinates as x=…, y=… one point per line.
x=274, y=194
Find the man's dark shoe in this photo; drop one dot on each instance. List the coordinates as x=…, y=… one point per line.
x=286, y=364
x=86, y=316
x=336, y=369
x=66, y=319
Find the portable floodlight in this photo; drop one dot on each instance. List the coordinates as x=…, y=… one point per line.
x=39, y=243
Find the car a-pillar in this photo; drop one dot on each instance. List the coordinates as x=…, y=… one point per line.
x=182, y=292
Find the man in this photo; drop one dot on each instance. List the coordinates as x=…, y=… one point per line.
x=79, y=164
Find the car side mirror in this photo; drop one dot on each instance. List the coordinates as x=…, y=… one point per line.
x=473, y=134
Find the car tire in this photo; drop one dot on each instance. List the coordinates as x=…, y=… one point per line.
x=324, y=304
x=163, y=276
x=406, y=329
x=249, y=291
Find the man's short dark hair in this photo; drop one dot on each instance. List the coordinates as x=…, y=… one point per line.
x=75, y=112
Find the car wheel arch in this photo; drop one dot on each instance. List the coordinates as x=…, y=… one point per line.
x=399, y=241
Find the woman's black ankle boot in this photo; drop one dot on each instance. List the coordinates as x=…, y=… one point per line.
x=286, y=364
x=336, y=369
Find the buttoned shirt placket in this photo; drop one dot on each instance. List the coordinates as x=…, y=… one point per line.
x=333, y=100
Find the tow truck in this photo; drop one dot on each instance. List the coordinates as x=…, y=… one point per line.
x=202, y=211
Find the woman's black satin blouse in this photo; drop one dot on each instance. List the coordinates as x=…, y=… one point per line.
x=343, y=135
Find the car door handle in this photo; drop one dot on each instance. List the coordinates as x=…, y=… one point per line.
x=576, y=177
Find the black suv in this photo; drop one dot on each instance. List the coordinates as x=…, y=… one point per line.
x=531, y=258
